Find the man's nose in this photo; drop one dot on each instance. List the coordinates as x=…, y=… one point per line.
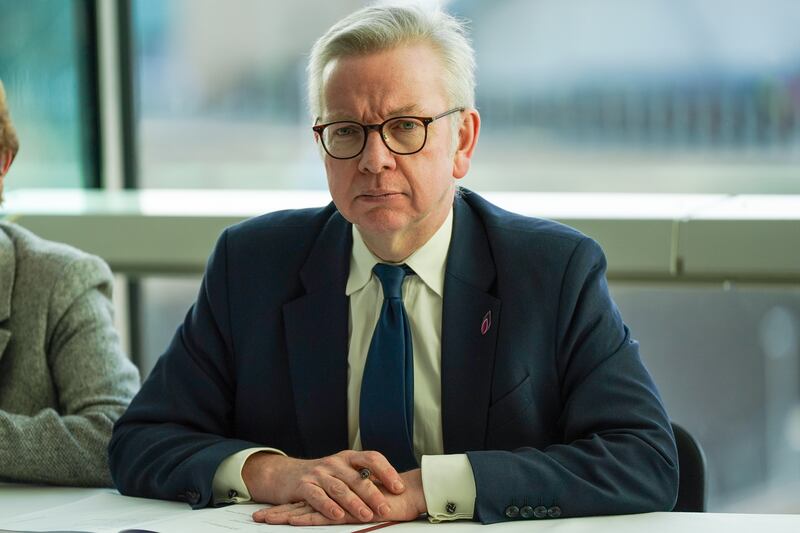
x=375, y=157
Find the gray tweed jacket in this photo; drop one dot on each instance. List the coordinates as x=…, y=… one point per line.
x=64, y=380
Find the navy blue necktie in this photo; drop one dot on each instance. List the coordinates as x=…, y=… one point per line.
x=386, y=411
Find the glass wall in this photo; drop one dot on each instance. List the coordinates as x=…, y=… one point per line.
x=638, y=95
x=44, y=64
x=726, y=358
x=575, y=95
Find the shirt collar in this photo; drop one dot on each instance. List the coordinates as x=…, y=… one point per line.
x=428, y=262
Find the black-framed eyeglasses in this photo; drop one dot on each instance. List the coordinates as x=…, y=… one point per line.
x=345, y=139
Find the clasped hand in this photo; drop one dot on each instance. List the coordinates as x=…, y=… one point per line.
x=330, y=490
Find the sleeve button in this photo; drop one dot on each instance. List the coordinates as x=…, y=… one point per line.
x=232, y=494
x=526, y=511
x=540, y=512
x=554, y=511
x=512, y=511
x=450, y=508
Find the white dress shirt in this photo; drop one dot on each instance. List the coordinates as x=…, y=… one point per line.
x=447, y=479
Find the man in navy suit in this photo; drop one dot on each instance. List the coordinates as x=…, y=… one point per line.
x=410, y=348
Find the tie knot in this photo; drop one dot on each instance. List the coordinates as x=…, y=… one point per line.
x=391, y=278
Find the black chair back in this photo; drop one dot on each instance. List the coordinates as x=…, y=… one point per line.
x=692, y=471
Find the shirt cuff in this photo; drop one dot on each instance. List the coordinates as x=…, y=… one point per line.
x=449, y=487
x=228, y=485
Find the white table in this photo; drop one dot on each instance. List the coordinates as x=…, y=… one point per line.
x=18, y=500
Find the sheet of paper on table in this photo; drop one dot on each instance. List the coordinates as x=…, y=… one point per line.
x=233, y=518
x=111, y=513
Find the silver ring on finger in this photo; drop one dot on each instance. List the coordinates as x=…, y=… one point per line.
x=365, y=473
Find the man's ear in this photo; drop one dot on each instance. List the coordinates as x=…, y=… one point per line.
x=468, y=132
x=6, y=158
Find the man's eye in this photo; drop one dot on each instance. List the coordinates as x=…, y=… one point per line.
x=344, y=131
x=407, y=125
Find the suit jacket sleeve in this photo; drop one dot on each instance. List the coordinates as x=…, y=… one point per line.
x=93, y=379
x=616, y=452
x=176, y=432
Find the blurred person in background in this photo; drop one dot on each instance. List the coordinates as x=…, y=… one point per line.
x=64, y=379
x=410, y=348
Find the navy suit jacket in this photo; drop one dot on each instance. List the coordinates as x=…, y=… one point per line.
x=552, y=405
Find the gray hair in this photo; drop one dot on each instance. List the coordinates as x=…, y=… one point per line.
x=377, y=28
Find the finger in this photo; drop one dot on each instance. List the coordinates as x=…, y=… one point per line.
x=381, y=469
x=277, y=511
x=342, y=492
x=320, y=501
x=318, y=519
x=303, y=509
x=369, y=493
x=287, y=512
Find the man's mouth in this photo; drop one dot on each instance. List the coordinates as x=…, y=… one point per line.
x=378, y=195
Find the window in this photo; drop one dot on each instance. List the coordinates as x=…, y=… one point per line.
x=620, y=95
x=46, y=66
x=638, y=96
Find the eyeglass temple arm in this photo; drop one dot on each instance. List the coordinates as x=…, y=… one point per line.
x=448, y=112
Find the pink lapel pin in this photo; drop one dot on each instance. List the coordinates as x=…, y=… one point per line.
x=486, y=323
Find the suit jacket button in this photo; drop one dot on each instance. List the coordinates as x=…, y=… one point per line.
x=526, y=511
x=512, y=511
x=450, y=508
x=232, y=494
x=540, y=512
x=554, y=511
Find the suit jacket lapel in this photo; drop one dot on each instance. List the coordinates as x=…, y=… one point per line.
x=316, y=327
x=7, y=270
x=470, y=320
